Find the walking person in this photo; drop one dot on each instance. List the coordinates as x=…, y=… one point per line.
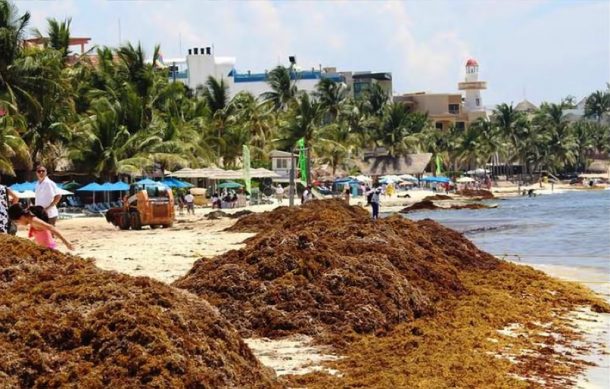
x=7, y=197
x=279, y=193
x=190, y=203
x=373, y=199
x=40, y=230
x=47, y=194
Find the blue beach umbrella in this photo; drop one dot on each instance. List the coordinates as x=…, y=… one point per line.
x=92, y=187
x=435, y=179
x=119, y=186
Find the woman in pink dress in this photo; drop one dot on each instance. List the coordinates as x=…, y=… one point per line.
x=41, y=231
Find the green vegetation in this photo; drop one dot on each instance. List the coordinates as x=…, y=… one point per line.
x=117, y=112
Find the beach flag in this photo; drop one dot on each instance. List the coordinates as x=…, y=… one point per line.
x=439, y=165
x=302, y=160
x=246, y=151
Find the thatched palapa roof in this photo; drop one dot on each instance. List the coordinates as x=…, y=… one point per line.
x=386, y=165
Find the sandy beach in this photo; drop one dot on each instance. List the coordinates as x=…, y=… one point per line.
x=167, y=254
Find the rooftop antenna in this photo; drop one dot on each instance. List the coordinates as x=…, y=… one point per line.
x=120, y=40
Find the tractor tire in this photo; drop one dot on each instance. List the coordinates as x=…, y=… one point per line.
x=136, y=224
x=124, y=221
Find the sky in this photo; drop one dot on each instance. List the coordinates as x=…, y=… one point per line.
x=542, y=50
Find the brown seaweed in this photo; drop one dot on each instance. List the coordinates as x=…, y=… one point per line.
x=65, y=322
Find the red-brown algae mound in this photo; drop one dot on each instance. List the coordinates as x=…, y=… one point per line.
x=326, y=268
x=480, y=193
x=428, y=205
x=63, y=322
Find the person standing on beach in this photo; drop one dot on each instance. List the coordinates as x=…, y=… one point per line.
x=373, y=199
x=279, y=193
x=306, y=196
x=40, y=230
x=47, y=194
x=190, y=206
x=7, y=197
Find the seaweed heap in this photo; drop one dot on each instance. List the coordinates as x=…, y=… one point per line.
x=326, y=268
x=480, y=193
x=430, y=205
x=65, y=322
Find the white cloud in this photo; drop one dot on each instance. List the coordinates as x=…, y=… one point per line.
x=434, y=63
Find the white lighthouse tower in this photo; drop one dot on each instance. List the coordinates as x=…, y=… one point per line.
x=472, y=87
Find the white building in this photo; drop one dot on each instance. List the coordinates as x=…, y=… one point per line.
x=200, y=63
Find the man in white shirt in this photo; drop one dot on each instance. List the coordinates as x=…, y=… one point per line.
x=190, y=207
x=47, y=195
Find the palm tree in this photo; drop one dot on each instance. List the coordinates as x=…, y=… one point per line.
x=12, y=147
x=597, y=104
x=375, y=100
x=582, y=131
x=59, y=35
x=332, y=96
x=560, y=145
x=283, y=88
x=302, y=121
x=258, y=119
x=399, y=129
x=514, y=127
x=12, y=31
x=216, y=94
x=335, y=144
x=100, y=140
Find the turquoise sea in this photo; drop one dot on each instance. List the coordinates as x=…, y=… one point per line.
x=568, y=229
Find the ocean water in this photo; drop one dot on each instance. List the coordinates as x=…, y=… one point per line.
x=568, y=229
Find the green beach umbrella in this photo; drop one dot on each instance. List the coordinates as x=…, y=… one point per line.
x=230, y=185
x=72, y=185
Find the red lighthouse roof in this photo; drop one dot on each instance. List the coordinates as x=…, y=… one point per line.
x=472, y=62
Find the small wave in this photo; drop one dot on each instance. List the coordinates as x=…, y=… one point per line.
x=480, y=230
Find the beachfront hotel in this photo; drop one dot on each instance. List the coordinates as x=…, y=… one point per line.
x=201, y=63
x=451, y=109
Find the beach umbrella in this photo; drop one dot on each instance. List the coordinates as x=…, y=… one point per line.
x=64, y=192
x=408, y=177
x=16, y=187
x=463, y=180
x=119, y=186
x=72, y=185
x=230, y=185
x=365, y=179
x=91, y=187
x=147, y=181
x=175, y=183
x=26, y=194
x=435, y=179
x=389, y=179
x=24, y=186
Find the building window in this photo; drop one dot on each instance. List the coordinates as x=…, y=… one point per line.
x=282, y=163
x=454, y=109
x=439, y=125
x=478, y=101
x=459, y=126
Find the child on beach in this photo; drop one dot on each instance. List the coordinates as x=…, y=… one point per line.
x=40, y=229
